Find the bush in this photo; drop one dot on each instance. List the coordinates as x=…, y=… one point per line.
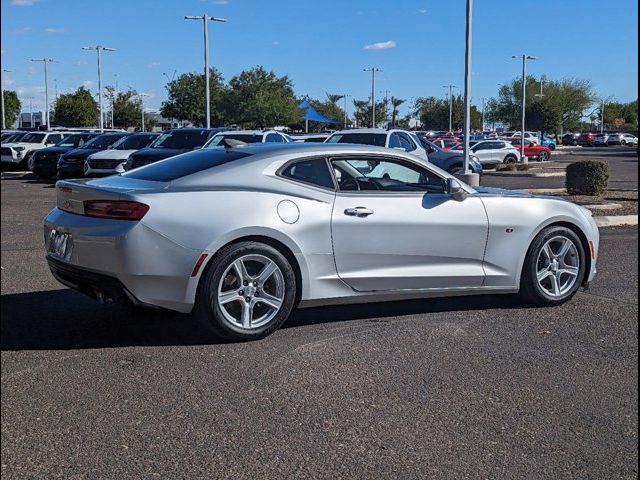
x=589, y=177
x=506, y=167
x=522, y=167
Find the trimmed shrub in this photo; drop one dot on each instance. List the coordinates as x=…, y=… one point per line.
x=590, y=177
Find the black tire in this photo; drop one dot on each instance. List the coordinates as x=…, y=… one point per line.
x=510, y=159
x=456, y=170
x=543, y=156
x=623, y=143
x=552, y=147
x=208, y=311
x=530, y=290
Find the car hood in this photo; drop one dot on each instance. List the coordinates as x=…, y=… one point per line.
x=112, y=154
x=153, y=154
x=80, y=153
x=54, y=150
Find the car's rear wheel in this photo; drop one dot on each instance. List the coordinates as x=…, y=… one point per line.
x=623, y=142
x=554, y=267
x=247, y=292
x=543, y=156
x=552, y=146
x=456, y=170
x=510, y=159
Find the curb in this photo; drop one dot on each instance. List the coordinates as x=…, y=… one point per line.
x=522, y=174
x=15, y=174
x=616, y=220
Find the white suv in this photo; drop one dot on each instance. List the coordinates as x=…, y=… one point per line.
x=493, y=152
x=247, y=136
x=20, y=152
x=395, y=139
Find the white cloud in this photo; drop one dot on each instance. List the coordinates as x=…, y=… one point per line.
x=23, y=3
x=381, y=45
x=422, y=10
x=54, y=30
x=22, y=30
x=88, y=84
x=153, y=64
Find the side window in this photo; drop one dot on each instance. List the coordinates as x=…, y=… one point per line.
x=387, y=174
x=273, y=138
x=481, y=146
x=314, y=171
x=394, y=141
x=53, y=139
x=406, y=142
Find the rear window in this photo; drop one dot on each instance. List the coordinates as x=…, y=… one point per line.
x=134, y=142
x=243, y=137
x=377, y=139
x=180, y=166
x=103, y=141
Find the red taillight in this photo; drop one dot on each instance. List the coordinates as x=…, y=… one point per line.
x=116, y=209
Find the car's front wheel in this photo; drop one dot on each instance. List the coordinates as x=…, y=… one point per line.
x=543, y=156
x=247, y=292
x=554, y=267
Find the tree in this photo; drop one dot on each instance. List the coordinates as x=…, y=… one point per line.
x=127, y=109
x=186, y=100
x=11, y=106
x=542, y=115
x=257, y=98
x=395, y=103
x=434, y=113
x=362, y=112
x=77, y=109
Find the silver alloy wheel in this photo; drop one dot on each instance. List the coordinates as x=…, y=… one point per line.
x=558, y=266
x=251, y=291
x=544, y=156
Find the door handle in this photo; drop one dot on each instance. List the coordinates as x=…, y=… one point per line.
x=358, y=212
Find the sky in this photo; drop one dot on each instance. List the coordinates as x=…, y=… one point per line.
x=321, y=45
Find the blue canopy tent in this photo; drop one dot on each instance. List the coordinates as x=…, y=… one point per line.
x=312, y=115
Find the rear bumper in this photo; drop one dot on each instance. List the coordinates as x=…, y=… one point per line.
x=116, y=257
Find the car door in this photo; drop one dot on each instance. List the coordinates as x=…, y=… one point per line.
x=396, y=228
x=484, y=152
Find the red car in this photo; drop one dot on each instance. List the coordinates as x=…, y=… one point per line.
x=446, y=143
x=540, y=152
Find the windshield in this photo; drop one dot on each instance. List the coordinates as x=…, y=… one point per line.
x=243, y=137
x=103, y=141
x=33, y=138
x=74, y=140
x=182, y=140
x=377, y=139
x=134, y=142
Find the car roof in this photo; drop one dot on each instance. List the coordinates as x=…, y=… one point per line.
x=362, y=130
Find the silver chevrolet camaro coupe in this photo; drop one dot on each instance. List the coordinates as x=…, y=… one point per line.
x=243, y=234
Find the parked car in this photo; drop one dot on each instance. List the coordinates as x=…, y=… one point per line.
x=550, y=142
x=450, y=161
x=171, y=143
x=112, y=160
x=19, y=152
x=44, y=162
x=188, y=234
x=533, y=150
x=531, y=136
x=247, y=136
x=601, y=140
x=570, y=139
x=446, y=144
x=586, y=139
x=12, y=137
x=493, y=152
x=622, y=139
x=392, y=138
x=71, y=164
x=310, y=137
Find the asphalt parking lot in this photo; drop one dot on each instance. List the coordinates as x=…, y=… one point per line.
x=474, y=387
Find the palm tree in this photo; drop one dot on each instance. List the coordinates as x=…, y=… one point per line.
x=334, y=98
x=395, y=103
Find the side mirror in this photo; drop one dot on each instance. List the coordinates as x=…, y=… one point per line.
x=455, y=189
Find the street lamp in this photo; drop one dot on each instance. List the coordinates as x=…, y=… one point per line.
x=98, y=49
x=373, y=71
x=4, y=125
x=204, y=19
x=142, y=95
x=472, y=179
x=602, y=117
x=524, y=58
x=344, y=97
x=46, y=84
x=450, y=87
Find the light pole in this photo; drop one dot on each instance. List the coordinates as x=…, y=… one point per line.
x=98, y=49
x=483, y=105
x=524, y=58
x=344, y=97
x=450, y=87
x=204, y=19
x=142, y=95
x=540, y=94
x=602, y=117
x=373, y=71
x=46, y=85
x=467, y=91
x=4, y=121
x=170, y=80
